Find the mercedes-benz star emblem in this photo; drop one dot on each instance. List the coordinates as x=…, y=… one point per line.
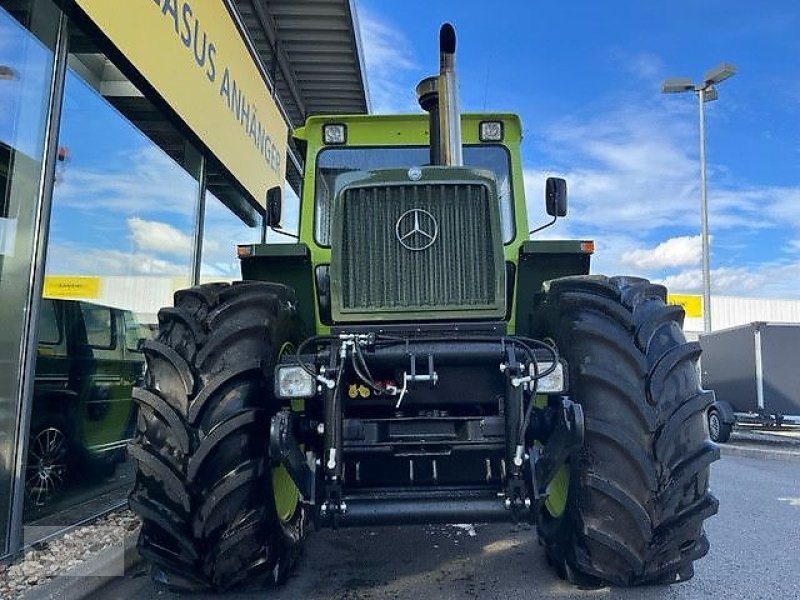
x=416, y=229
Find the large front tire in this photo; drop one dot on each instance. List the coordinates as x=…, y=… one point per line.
x=205, y=489
x=638, y=489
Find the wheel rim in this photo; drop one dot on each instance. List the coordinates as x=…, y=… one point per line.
x=46, y=472
x=557, y=492
x=284, y=491
x=713, y=425
x=286, y=494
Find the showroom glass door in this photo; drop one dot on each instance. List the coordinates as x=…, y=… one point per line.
x=121, y=241
x=28, y=37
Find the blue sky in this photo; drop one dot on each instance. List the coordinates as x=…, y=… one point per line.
x=585, y=78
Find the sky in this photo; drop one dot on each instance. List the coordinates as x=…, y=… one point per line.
x=585, y=78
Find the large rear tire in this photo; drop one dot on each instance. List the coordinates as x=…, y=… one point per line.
x=205, y=489
x=638, y=489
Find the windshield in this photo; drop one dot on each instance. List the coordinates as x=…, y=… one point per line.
x=332, y=162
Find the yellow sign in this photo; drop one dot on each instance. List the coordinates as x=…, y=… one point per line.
x=58, y=286
x=692, y=304
x=193, y=55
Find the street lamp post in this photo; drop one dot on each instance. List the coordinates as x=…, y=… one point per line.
x=706, y=92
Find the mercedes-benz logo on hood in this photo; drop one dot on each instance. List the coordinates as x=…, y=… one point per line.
x=416, y=229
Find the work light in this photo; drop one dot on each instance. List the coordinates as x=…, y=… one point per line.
x=491, y=131
x=549, y=384
x=293, y=381
x=334, y=133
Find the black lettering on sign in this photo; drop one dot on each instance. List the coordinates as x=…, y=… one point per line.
x=225, y=87
x=211, y=72
x=188, y=30
x=201, y=60
x=186, y=36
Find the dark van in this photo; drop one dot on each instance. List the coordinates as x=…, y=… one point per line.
x=88, y=360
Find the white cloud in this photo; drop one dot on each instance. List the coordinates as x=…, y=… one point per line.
x=675, y=252
x=69, y=259
x=737, y=281
x=646, y=65
x=160, y=238
x=633, y=185
x=624, y=173
x=636, y=169
x=390, y=65
x=144, y=181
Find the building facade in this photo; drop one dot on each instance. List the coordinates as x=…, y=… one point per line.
x=137, y=144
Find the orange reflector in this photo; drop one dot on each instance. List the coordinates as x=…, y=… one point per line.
x=587, y=247
x=243, y=251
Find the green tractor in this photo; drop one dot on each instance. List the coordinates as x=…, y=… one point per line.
x=415, y=358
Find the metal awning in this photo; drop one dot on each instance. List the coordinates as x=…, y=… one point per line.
x=311, y=50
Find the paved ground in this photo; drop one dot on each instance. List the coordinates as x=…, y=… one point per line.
x=754, y=555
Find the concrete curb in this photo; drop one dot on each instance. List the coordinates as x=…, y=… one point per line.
x=88, y=577
x=762, y=453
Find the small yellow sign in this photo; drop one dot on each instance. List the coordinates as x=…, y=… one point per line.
x=192, y=53
x=691, y=303
x=60, y=286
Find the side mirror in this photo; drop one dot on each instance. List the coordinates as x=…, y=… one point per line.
x=272, y=218
x=556, y=196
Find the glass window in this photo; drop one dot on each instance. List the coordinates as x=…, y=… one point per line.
x=121, y=242
x=222, y=231
x=234, y=221
x=99, y=324
x=134, y=333
x=28, y=31
x=332, y=162
x=48, y=323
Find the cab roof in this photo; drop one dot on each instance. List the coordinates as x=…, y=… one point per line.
x=402, y=130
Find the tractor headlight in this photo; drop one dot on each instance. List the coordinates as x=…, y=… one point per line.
x=549, y=384
x=293, y=381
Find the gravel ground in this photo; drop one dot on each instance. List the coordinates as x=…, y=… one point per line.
x=55, y=557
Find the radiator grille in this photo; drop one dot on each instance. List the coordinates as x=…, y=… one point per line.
x=457, y=271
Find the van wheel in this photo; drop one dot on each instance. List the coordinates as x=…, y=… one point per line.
x=48, y=467
x=718, y=430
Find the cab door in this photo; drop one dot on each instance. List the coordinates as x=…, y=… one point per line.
x=105, y=381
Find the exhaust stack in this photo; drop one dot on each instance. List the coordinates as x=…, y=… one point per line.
x=449, y=113
x=439, y=97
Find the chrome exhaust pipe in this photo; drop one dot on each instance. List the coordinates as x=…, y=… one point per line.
x=449, y=113
x=438, y=95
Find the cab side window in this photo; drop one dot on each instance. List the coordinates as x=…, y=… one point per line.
x=99, y=324
x=48, y=324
